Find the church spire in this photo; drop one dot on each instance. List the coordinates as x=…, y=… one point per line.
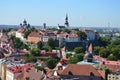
x=90, y=48
x=66, y=17
x=66, y=21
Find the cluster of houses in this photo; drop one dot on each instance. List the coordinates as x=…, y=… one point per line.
x=13, y=67
x=64, y=38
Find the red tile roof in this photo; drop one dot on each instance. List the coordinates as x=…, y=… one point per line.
x=48, y=53
x=113, y=68
x=63, y=61
x=19, y=69
x=34, y=74
x=23, y=51
x=80, y=70
x=102, y=73
x=107, y=62
x=72, y=35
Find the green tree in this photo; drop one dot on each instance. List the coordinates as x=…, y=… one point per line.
x=113, y=58
x=39, y=68
x=115, y=42
x=25, y=46
x=76, y=29
x=51, y=43
x=104, y=53
x=30, y=58
x=51, y=63
x=82, y=35
x=53, y=29
x=104, y=41
x=40, y=45
x=60, y=30
x=66, y=30
x=80, y=56
x=97, y=49
x=68, y=55
x=73, y=60
x=27, y=32
x=76, y=58
x=35, y=52
x=18, y=44
x=47, y=48
x=79, y=50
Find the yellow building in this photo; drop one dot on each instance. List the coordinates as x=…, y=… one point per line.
x=113, y=76
x=3, y=74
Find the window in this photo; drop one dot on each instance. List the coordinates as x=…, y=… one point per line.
x=91, y=74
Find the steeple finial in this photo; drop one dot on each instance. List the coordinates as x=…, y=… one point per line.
x=66, y=17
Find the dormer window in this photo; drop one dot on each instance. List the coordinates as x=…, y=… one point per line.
x=70, y=73
x=91, y=74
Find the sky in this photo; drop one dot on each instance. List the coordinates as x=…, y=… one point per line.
x=84, y=13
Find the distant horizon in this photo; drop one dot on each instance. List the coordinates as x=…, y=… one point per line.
x=93, y=13
x=50, y=26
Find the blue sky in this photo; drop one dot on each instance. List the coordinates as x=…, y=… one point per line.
x=86, y=13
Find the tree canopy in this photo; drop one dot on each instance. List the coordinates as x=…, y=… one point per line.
x=28, y=31
x=40, y=45
x=35, y=52
x=51, y=43
x=76, y=58
x=82, y=35
x=79, y=50
x=108, y=46
x=113, y=58
x=18, y=44
x=51, y=63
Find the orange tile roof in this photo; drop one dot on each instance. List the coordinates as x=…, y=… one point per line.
x=80, y=70
x=34, y=34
